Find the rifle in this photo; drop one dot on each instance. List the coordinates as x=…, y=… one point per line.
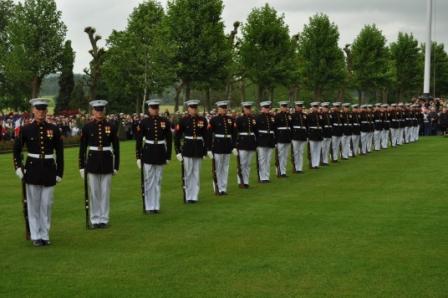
x=142, y=183
x=309, y=156
x=182, y=166
x=25, y=210
x=24, y=197
x=258, y=164
x=293, y=161
x=277, y=162
x=238, y=167
x=86, y=199
x=215, y=179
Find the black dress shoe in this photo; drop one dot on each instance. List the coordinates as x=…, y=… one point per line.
x=46, y=242
x=37, y=243
x=246, y=185
x=223, y=193
x=298, y=172
x=325, y=164
x=283, y=176
x=156, y=211
x=103, y=225
x=95, y=226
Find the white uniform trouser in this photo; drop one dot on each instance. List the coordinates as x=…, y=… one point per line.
x=384, y=138
x=283, y=152
x=245, y=159
x=192, y=166
x=336, y=145
x=400, y=136
x=40, y=201
x=416, y=131
x=326, y=144
x=99, y=190
x=345, y=141
x=222, y=171
x=377, y=139
x=355, y=141
x=298, y=149
x=264, y=162
x=369, y=141
x=393, y=136
x=153, y=181
x=315, y=148
x=364, y=141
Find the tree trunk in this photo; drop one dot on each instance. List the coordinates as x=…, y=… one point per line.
x=178, y=89
x=260, y=93
x=35, y=86
x=243, y=90
x=207, y=99
x=187, y=91
x=317, y=93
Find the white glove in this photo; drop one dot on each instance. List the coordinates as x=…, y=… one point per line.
x=179, y=156
x=19, y=173
x=210, y=154
x=139, y=163
x=115, y=173
x=82, y=173
x=167, y=161
x=58, y=179
x=235, y=151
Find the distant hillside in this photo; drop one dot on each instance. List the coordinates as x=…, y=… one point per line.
x=50, y=84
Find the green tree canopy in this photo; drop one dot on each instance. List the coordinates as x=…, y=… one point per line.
x=370, y=58
x=200, y=48
x=37, y=36
x=405, y=56
x=323, y=61
x=66, y=80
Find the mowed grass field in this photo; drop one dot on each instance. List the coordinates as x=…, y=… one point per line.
x=372, y=226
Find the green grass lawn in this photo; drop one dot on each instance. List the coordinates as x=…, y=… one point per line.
x=374, y=226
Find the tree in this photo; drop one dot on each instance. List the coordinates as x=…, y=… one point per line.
x=323, y=61
x=37, y=36
x=66, y=80
x=405, y=56
x=369, y=61
x=196, y=32
x=265, y=49
x=136, y=64
x=93, y=74
x=78, y=98
x=439, y=70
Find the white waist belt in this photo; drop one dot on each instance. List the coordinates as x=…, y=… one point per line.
x=283, y=128
x=47, y=156
x=299, y=127
x=194, y=138
x=222, y=136
x=265, y=131
x=315, y=127
x=246, y=134
x=93, y=148
x=155, y=142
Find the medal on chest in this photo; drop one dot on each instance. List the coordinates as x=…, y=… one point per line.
x=107, y=130
x=49, y=133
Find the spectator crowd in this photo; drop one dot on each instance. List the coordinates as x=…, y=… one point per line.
x=433, y=122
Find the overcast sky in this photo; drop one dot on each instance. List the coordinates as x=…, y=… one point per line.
x=391, y=16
